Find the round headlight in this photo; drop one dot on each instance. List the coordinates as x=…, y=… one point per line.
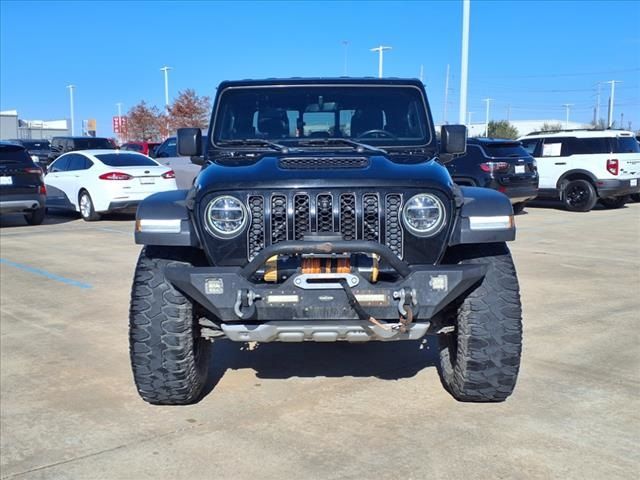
x=225, y=217
x=423, y=215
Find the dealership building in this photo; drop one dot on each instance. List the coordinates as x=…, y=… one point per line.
x=11, y=126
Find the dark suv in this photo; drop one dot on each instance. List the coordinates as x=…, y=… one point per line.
x=40, y=150
x=499, y=164
x=324, y=215
x=60, y=145
x=22, y=187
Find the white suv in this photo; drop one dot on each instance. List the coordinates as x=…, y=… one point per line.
x=584, y=166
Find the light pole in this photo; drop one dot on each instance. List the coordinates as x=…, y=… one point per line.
x=345, y=44
x=71, y=88
x=567, y=106
x=464, y=63
x=166, y=69
x=611, y=96
x=486, y=122
x=469, y=117
x=380, y=49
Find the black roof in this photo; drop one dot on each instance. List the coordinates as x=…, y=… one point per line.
x=321, y=81
x=489, y=141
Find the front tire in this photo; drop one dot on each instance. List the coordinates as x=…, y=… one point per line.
x=87, y=210
x=36, y=217
x=169, y=358
x=480, y=359
x=579, y=196
x=614, y=202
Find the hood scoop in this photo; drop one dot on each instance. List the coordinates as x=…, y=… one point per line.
x=322, y=163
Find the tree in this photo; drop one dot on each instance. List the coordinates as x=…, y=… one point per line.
x=189, y=110
x=550, y=127
x=144, y=123
x=502, y=129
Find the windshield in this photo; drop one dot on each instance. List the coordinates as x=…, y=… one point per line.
x=93, y=143
x=376, y=115
x=126, y=160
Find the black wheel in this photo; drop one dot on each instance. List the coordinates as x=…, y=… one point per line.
x=480, y=358
x=518, y=208
x=579, y=196
x=614, y=202
x=169, y=358
x=635, y=197
x=35, y=217
x=87, y=211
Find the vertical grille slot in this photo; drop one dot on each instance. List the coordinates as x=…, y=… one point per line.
x=348, y=216
x=278, y=218
x=370, y=217
x=393, y=230
x=324, y=209
x=256, y=227
x=301, y=216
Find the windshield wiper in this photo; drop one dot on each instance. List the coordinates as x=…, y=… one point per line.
x=255, y=141
x=360, y=147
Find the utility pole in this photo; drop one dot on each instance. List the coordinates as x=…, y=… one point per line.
x=71, y=88
x=486, y=122
x=464, y=64
x=567, y=107
x=345, y=44
x=611, y=101
x=446, y=95
x=166, y=69
x=380, y=49
x=469, y=117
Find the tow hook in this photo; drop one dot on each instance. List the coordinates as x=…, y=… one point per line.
x=245, y=307
x=407, y=301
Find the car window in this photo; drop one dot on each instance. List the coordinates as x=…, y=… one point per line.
x=14, y=155
x=90, y=143
x=585, y=146
x=126, y=160
x=36, y=145
x=60, y=165
x=626, y=145
x=134, y=147
x=510, y=149
x=77, y=162
x=168, y=148
x=530, y=146
x=553, y=147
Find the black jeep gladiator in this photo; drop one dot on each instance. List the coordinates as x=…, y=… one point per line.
x=323, y=213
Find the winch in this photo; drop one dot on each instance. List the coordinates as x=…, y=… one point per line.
x=281, y=267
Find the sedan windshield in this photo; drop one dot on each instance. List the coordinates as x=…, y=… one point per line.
x=126, y=160
x=376, y=115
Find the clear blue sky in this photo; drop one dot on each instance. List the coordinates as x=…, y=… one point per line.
x=534, y=56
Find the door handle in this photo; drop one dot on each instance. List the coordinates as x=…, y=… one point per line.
x=560, y=163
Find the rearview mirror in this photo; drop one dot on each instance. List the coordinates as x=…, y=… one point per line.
x=453, y=139
x=189, y=142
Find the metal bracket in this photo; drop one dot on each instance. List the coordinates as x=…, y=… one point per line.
x=324, y=281
x=245, y=299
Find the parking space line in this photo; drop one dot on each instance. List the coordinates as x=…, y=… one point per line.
x=44, y=273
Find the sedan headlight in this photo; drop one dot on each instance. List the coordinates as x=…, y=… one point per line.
x=225, y=217
x=424, y=215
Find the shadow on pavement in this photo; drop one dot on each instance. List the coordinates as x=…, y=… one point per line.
x=383, y=360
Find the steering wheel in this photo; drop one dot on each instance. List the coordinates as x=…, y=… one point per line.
x=377, y=133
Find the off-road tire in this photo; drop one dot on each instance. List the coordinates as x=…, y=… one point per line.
x=89, y=214
x=614, y=202
x=36, y=217
x=169, y=358
x=480, y=360
x=579, y=195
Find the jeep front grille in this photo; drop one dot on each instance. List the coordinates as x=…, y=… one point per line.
x=354, y=216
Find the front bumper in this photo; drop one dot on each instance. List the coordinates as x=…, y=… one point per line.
x=302, y=309
x=617, y=188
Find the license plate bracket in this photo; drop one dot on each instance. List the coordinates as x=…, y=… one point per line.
x=520, y=169
x=6, y=180
x=147, y=180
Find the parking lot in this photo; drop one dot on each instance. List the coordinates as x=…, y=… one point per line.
x=70, y=410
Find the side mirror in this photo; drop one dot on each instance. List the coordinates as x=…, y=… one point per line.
x=189, y=142
x=453, y=139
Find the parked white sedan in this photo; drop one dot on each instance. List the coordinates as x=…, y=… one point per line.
x=94, y=182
